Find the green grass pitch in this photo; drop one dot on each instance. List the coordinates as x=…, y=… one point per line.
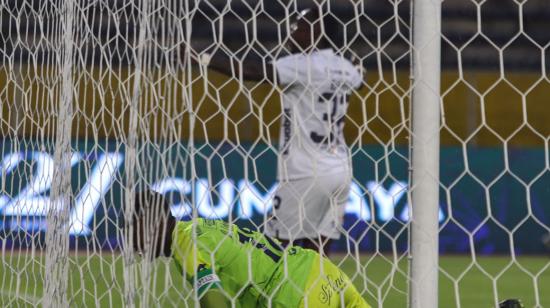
x=98, y=281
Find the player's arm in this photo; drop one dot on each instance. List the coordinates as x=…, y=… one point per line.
x=214, y=298
x=197, y=269
x=251, y=68
x=352, y=298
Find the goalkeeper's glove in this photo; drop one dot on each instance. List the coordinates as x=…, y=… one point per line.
x=511, y=303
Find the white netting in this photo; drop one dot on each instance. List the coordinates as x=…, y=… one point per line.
x=101, y=98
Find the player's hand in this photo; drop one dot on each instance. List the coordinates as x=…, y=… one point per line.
x=193, y=55
x=198, y=57
x=358, y=63
x=511, y=303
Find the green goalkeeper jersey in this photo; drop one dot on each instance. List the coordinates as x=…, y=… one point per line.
x=252, y=270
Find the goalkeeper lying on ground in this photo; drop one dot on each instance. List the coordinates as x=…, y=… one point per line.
x=226, y=263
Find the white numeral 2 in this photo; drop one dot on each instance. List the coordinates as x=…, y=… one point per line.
x=29, y=201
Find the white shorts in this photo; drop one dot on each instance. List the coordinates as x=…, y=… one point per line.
x=309, y=208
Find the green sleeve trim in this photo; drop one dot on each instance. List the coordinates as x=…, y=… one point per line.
x=206, y=280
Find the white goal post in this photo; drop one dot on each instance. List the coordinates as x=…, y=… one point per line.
x=448, y=136
x=424, y=186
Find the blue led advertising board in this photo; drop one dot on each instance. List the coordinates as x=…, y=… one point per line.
x=491, y=200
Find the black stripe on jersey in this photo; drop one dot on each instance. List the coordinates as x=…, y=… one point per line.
x=287, y=130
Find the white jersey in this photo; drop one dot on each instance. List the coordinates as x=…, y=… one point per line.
x=316, y=87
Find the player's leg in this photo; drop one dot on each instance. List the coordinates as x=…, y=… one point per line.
x=290, y=220
x=335, y=200
x=325, y=209
x=308, y=212
x=277, y=224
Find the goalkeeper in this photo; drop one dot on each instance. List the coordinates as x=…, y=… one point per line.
x=224, y=262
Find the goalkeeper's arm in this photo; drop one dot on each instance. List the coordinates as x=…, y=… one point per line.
x=214, y=298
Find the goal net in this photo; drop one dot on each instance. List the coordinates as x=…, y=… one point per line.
x=101, y=99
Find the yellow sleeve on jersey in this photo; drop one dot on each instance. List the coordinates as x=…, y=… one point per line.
x=190, y=260
x=353, y=299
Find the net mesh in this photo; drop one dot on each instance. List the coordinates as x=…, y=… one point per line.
x=100, y=99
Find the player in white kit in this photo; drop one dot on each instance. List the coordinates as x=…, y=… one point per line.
x=314, y=165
